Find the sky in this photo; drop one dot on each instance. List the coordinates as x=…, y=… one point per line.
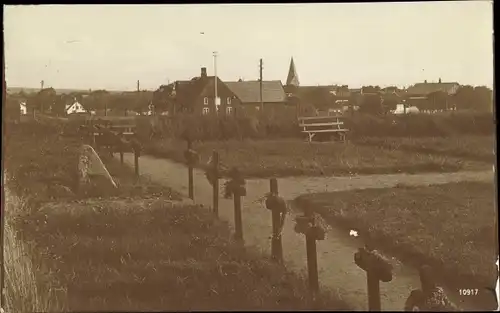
x=112, y=46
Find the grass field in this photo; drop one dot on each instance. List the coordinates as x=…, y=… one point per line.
x=479, y=148
x=294, y=158
x=451, y=226
x=149, y=255
x=129, y=249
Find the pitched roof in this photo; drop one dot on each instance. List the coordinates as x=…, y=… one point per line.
x=293, y=77
x=186, y=91
x=427, y=88
x=249, y=91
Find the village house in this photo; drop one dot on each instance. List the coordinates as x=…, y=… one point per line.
x=198, y=96
x=75, y=108
x=248, y=99
x=422, y=95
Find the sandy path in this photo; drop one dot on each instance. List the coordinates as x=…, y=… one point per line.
x=335, y=254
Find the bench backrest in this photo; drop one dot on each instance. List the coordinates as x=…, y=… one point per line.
x=321, y=123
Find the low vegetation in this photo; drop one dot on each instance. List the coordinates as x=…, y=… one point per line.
x=285, y=125
x=450, y=226
x=118, y=255
x=133, y=248
x=479, y=148
x=294, y=158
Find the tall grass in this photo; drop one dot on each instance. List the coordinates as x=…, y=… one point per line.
x=27, y=289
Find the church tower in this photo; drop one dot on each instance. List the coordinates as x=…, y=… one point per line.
x=293, y=77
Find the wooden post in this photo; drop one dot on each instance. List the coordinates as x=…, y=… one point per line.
x=312, y=260
x=190, y=173
x=377, y=268
x=136, y=161
x=276, y=244
x=92, y=134
x=237, y=216
x=373, y=283
x=312, y=264
x=215, y=159
x=121, y=151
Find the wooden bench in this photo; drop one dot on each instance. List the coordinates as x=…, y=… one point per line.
x=333, y=125
x=120, y=125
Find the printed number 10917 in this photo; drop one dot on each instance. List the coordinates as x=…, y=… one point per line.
x=468, y=292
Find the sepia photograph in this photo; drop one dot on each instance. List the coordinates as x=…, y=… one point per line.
x=249, y=157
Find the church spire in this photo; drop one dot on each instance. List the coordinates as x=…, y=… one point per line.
x=293, y=77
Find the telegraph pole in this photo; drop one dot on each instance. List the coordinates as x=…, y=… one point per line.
x=215, y=82
x=138, y=85
x=260, y=74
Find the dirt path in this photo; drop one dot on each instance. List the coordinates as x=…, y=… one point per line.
x=337, y=270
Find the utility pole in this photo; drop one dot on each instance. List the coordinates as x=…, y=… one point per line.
x=138, y=85
x=260, y=75
x=215, y=83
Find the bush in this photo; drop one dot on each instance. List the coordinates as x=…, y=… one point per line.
x=203, y=128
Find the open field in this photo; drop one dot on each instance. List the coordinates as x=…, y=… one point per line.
x=453, y=226
x=478, y=148
x=126, y=249
x=295, y=158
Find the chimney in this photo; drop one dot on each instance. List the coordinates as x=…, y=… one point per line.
x=203, y=72
x=440, y=80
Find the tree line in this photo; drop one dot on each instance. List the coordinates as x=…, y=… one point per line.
x=375, y=101
x=48, y=100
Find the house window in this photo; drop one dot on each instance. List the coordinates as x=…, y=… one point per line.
x=205, y=101
x=205, y=111
x=229, y=110
x=228, y=100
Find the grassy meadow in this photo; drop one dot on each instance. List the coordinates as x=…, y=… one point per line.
x=290, y=157
x=452, y=226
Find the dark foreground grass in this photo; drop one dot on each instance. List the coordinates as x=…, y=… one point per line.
x=150, y=255
x=282, y=158
x=40, y=167
x=452, y=227
x=478, y=148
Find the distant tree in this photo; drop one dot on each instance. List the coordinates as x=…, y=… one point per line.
x=163, y=99
x=43, y=100
x=321, y=98
x=59, y=106
x=484, y=99
x=371, y=104
x=96, y=100
x=465, y=98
